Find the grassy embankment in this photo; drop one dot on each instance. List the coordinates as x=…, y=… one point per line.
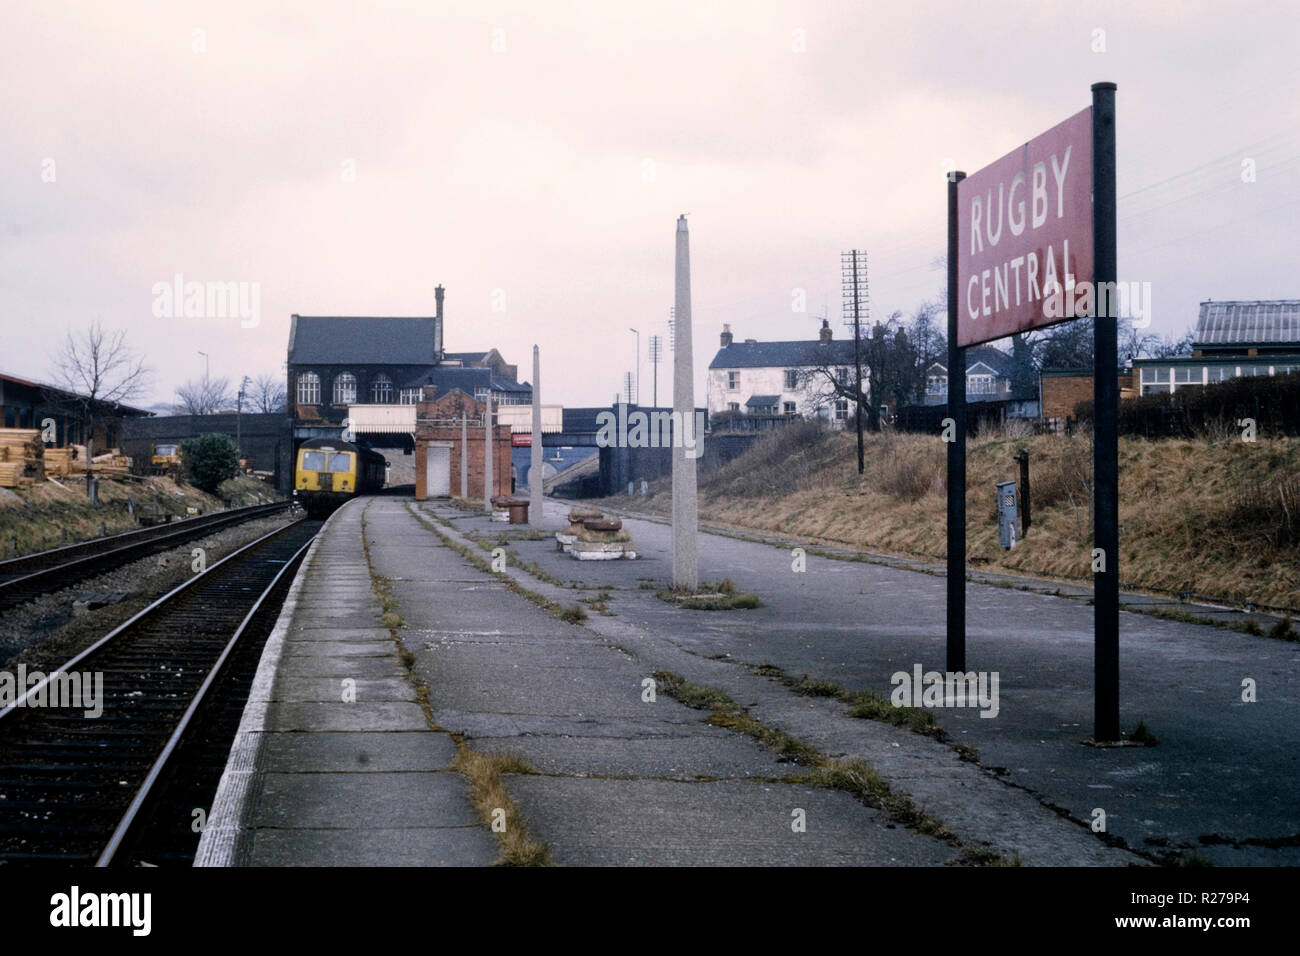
x=52, y=513
x=1217, y=517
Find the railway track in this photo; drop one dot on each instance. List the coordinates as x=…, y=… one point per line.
x=80, y=789
x=27, y=577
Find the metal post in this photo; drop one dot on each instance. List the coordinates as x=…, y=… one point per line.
x=464, y=455
x=638, y=363
x=1023, y=458
x=535, y=456
x=956, y=453
x=487, y=452
x=1105, y=391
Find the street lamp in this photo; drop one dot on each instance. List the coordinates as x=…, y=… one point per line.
x=207, y=367
x=638, y=364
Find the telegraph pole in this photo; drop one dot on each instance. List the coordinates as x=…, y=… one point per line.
x=656, y=353
x=853, y=286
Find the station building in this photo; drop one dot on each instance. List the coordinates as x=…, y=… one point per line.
x=368, y=375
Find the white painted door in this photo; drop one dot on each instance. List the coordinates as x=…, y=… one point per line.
x=437, y=472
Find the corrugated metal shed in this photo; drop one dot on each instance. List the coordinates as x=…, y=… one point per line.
x=1272, y=322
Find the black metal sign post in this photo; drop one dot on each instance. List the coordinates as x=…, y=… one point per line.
x=1105, y=384
x=956, y=453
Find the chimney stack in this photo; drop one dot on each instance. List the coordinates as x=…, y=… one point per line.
x=825, y=335
x=437, y=322
x=726, y=335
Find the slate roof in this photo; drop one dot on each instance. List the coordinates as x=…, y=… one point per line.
x=361, y=340
x=444, y=379
x=467, y=357
x=994, y=358
x=1265, y=322
x=801, y=354
x=762, y=401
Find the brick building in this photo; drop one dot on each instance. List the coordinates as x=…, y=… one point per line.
x=438, y=447
x=28, y=404
x=1063, y=389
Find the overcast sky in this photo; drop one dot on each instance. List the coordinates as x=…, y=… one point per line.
x=545, y=150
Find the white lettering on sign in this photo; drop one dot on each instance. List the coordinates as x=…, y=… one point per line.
x=1025, y=234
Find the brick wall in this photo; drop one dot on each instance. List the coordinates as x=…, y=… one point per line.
x=1061, y=393
x=439, y=422
x=267, y=439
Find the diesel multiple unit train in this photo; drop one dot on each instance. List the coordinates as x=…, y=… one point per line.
x=329, y=471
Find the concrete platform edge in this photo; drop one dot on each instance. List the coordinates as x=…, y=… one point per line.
x=223, y=835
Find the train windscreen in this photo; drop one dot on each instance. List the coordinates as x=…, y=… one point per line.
x=313, y=461
x=341, y=461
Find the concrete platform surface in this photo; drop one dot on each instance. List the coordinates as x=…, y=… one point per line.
x=614, y=776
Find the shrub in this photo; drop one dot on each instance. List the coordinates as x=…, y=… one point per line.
x=1273, y=402
x=209, y=460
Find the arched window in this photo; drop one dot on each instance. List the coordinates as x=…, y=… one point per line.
x=381, y=390
x=345, y=389
x=308, y=388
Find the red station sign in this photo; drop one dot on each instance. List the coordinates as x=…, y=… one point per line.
x=1024, y=236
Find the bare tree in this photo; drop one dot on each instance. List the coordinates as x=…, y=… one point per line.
x=204, y=397
x=97, y=372
x=890, y=370
x=1169, y=347
x=266, y=394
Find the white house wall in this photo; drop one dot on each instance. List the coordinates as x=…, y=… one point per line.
x=769, y=381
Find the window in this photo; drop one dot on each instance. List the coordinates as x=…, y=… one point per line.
x=313, y=461
x=1187, y=375
x=936, y=384
x=1220, y=373
x=1151, y=375
x=789, y=408
x=733, y=406
x=733, y=381
x=381, y=390
x=408, y=396
x=341, y=461
x=979, y=384
x=791, y=380
x=842, y=376
x=308, y=388
x=841, y=409
x=345, y=389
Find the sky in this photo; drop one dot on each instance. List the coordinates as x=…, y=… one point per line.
x=533, y=159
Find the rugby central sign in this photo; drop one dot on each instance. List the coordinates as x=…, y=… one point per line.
x=1024, y=236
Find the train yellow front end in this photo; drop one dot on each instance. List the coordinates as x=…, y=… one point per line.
x=329, y=472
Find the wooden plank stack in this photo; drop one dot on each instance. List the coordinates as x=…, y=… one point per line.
x=62, y=462
x=22, y=457
x=111, y=464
